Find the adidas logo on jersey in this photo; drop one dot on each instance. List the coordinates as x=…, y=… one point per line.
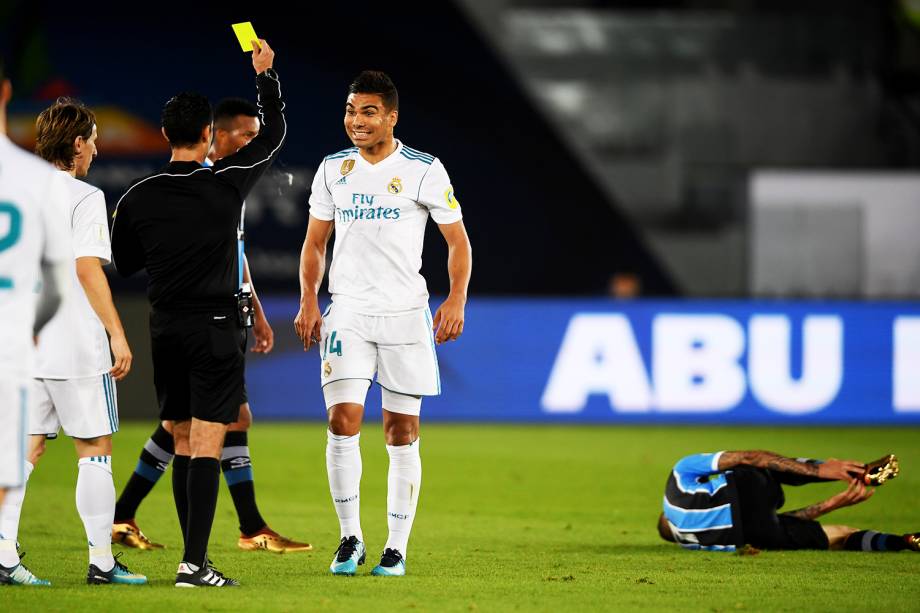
x=342, y=181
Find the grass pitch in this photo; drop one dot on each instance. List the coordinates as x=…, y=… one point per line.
x=511, y=518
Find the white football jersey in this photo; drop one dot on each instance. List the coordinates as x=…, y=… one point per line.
x=74, y=343
x=32, y=193
x=380, y=211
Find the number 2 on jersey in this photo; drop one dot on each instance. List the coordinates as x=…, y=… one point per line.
x=332, y=345
x=14, y=231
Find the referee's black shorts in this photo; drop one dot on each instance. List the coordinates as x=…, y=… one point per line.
x=760, y=496
x=198, y=364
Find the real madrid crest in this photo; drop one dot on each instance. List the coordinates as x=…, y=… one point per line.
x=395, y=185
x=327, y=369
x=347, y=166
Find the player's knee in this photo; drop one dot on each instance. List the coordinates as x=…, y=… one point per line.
x=206, y=438
x=180, y=432
x=344, y=422
x=244, y=421
x=88, y=447
x=837, y=535
x=401, y=429
x=345, y=405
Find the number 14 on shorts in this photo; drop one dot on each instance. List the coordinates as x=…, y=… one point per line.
x=332, y=345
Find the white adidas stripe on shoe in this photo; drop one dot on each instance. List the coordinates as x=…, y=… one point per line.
x=189, y=575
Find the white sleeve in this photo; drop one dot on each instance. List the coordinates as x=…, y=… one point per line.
x=54, y=223
x=321, y=204
x=90, y=230
x=437, y=195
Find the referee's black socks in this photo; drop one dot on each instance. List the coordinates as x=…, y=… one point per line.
x=155, y=458
x=237, y=468
x=203, y=481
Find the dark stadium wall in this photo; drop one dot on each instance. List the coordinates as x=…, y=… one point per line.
x=537, y=221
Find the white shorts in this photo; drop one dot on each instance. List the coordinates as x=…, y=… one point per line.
x=14, y=409
x=399, y=349
x=86, y=407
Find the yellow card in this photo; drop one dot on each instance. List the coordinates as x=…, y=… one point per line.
x=245, y=33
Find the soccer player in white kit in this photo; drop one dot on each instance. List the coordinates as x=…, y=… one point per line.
x=34, y=248
x=74, y=385
x=377, y=196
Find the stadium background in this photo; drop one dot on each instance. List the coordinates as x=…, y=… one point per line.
x=694, y=227
x=759, y=155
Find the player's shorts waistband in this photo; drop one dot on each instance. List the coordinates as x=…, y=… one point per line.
x=359, y=308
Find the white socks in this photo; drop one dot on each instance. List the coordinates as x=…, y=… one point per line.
x=96, y=506
x=95, y=503
x=343, y=465
x=403, y=482
x=9, y=520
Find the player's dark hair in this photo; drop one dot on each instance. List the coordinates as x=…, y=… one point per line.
x=229, y=108
x=376, y=82
x=58, y=126
x=184, y=117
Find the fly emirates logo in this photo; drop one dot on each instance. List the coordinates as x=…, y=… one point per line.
x=364, y=207
x=707, y=363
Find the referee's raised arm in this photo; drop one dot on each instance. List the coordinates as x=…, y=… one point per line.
x=244, y=167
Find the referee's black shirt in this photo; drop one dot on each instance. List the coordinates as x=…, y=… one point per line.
x=180, y=223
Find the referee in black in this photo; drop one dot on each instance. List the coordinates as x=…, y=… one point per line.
x=180, y=223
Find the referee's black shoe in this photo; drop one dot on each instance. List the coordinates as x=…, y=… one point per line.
x=190, y=575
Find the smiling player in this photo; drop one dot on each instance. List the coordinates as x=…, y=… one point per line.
x=377, y=196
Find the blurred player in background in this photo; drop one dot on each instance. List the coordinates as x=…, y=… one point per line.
x=236, y=122
x=723, y=501
x=34, y=248
x=75, y=377
x=377, y=196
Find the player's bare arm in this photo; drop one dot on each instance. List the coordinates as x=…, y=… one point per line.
x=261, y=330
x=96, y=287
x=312, y=266
x=448, y=319
x=855, y=493
x=832, y=469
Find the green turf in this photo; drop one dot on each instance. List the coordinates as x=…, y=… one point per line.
x=511, y=518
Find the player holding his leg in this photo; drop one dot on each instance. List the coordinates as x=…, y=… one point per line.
x=723, y=501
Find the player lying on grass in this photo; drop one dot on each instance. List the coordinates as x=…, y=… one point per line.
x=722, y=501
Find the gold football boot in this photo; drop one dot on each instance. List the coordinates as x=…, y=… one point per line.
x=128, y=534
x=269, y=540
x=881, y=470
